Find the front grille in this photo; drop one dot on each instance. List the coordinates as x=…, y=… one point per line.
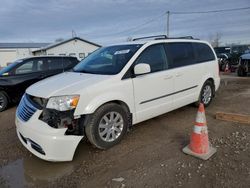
x=25, y=109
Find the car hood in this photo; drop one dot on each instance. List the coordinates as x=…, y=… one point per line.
x=64, y=84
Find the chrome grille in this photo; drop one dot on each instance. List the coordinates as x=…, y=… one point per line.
x=25, y=109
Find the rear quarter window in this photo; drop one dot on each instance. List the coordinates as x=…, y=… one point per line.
x=180, y=54
x=69, y=63
x=55, y=63
x=203, y=52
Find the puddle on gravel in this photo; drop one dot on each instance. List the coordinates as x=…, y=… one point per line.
x=33, y=171
x=14, y=169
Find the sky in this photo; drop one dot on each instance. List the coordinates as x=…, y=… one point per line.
x=110, y=21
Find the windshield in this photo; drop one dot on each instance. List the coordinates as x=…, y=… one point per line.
x=6, y=70
x=107, y=60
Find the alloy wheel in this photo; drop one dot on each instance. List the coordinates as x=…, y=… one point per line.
x=207, y=94
x=110, y=126
x=1, y=102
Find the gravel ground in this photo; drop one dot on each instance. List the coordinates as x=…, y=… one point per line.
x=149, y=156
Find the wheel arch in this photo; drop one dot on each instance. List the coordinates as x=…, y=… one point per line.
x=119, y=102
x=204, y=80
x=213, y=83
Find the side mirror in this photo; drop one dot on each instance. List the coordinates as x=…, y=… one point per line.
x=142, y=68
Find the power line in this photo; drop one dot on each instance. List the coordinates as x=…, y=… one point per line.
x=211, y=11
x=132, y=29
x=140, y=26
x=137, y=28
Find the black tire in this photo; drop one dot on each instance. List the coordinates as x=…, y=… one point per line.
x=3, y=101
x=241, y=72
x=209, y=84
x=93, y=121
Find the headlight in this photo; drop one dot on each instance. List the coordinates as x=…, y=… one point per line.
x=63, y=103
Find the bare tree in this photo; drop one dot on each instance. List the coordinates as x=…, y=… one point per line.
x=215, y=39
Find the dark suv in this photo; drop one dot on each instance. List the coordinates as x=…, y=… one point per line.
x=244, y=65
x=15, y=78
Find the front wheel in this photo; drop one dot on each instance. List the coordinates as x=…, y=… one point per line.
x=206, y=94
x=3, y=101
x=107, y=126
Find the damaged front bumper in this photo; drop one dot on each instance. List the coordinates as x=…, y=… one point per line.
x=44, y=141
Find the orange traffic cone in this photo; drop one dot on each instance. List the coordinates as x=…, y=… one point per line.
x=227, y=68
x=199, y=144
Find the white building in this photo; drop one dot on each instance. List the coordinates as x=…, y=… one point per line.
x=10, y=52
x=76, y=47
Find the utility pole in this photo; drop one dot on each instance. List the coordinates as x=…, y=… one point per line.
x=168, y=14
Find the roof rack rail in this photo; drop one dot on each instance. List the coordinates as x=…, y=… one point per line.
x=159, y=37
x=185, y=37
x=156, y=37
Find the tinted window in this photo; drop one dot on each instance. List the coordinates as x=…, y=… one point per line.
x=69, y=63
x=55, y=63
x=41, y=65
x=155, y=56
x=34, y=65
x=203, y=52
x=25, y=68
x=180, y=54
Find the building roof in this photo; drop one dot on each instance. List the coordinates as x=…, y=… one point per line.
x=23, y=45
x=65, y=41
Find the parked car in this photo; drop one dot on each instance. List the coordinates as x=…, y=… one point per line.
x=222, y=50
x=15, y=78
x=229, y=56
x=224, y=61
x=244, y=65
x=113, y=88
x=226, y=58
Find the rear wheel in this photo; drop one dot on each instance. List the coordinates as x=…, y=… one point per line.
x=206, y=94
x=3, y=101
x=107, y=126
x=241, y=72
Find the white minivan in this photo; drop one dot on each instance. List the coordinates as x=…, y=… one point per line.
x=113, y=88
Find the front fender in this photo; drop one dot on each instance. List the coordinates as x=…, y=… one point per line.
x=91, y=106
